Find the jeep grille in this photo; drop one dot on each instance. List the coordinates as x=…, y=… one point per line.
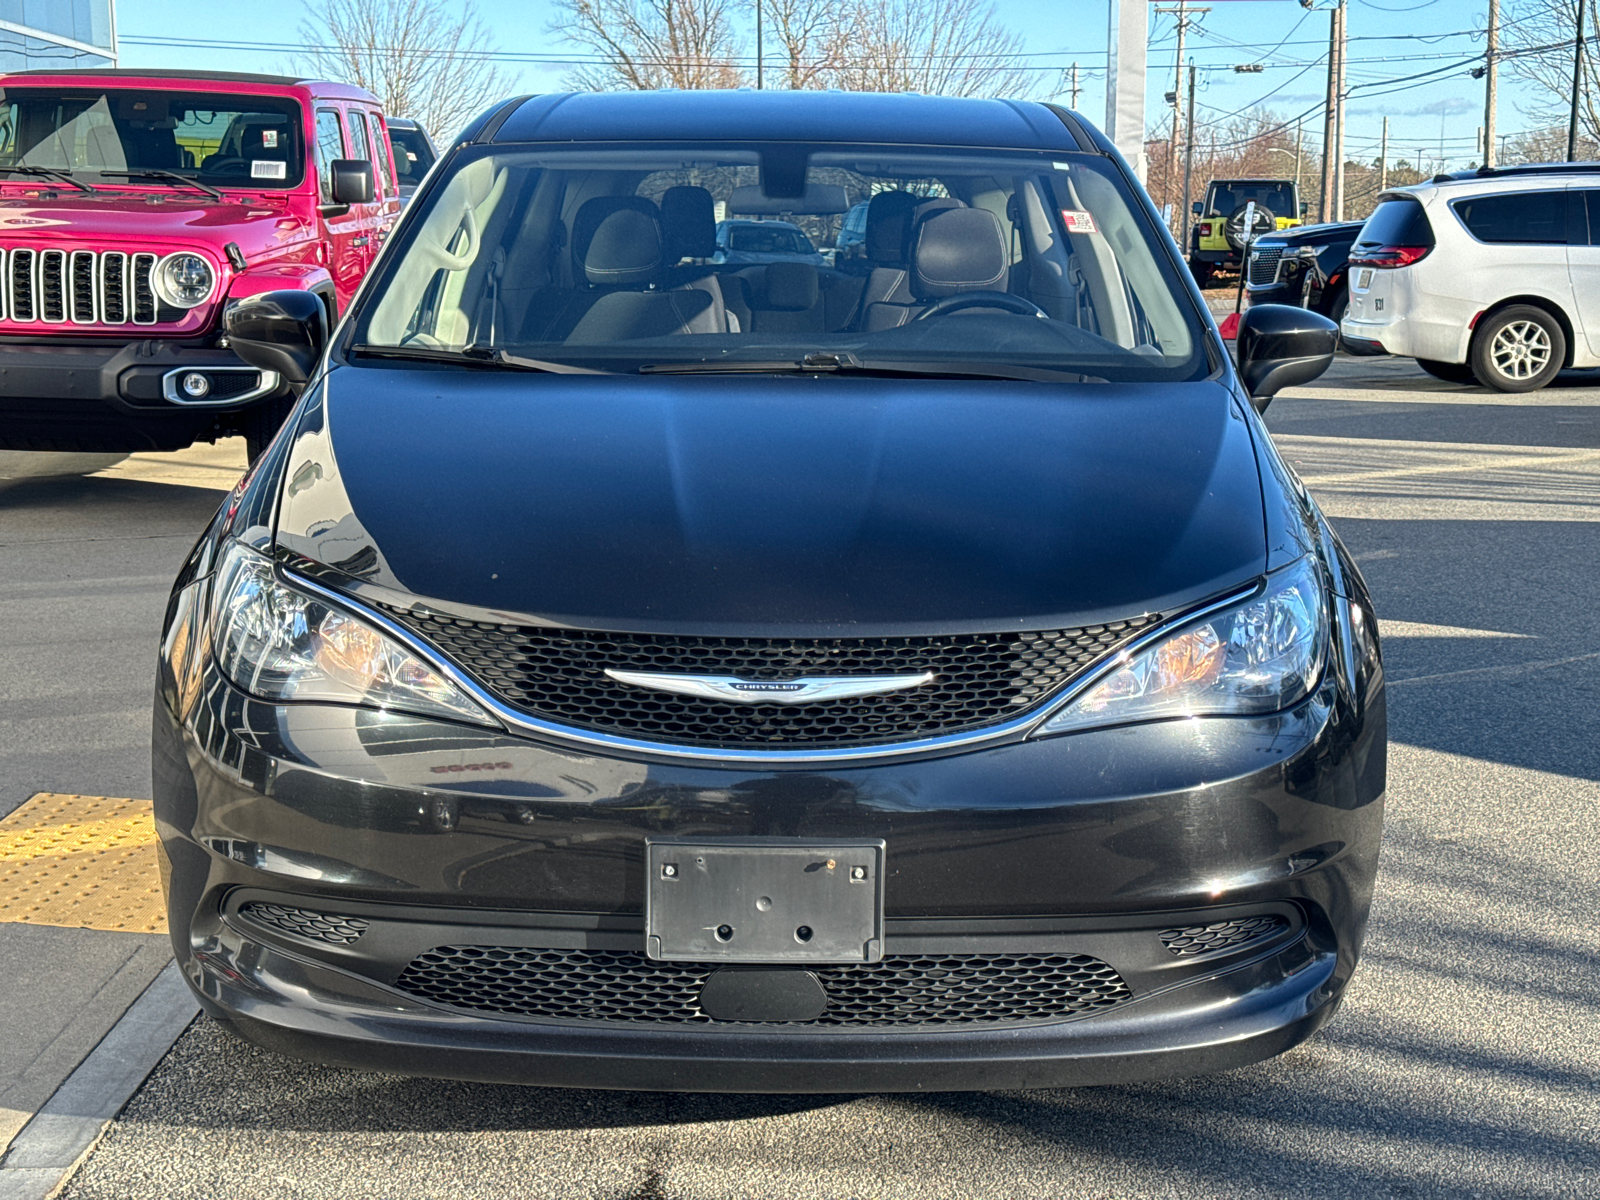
x=80, y=287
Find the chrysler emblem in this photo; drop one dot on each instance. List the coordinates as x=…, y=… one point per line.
x=772, y=691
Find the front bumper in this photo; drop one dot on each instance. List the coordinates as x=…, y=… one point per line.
x=121, y=396
x=441, y=835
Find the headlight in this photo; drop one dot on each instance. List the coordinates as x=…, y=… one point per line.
x=278, y=643
x=183, y=280
x=1259, y=657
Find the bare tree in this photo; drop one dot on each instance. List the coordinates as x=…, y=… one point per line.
x=944, y=47
x=422, y=58
x=813, y=37
x=1537, y=42
x=643, y=44
x=938, y=47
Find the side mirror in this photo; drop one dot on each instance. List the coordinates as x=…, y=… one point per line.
x=1197, y=208
x=1282, y=346
x=1305, y=207
x=353, y=182
x=279, y=331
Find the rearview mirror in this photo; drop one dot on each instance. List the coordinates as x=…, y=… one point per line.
x=280, y=331
x=352, y=181
x=1282, y=346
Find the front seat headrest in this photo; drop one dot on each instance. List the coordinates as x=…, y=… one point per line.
x=689, y=220
x=958, y=250
x=885, y=235
x=617, y=239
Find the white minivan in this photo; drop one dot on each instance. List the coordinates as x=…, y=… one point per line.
x=1491, y=275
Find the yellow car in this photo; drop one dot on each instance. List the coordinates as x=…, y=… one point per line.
x=1217, y=238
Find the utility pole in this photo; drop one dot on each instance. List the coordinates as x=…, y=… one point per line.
x=1490, y=73
x=1383, y=159
x=1577, y=86
x=1297, y=163
x=1188, y=160
x=1074, y=88
x=758, y=46
x=1182, y=13
x=1338, y=123
x=1325, y=197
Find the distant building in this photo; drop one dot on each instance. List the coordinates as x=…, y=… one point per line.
x=57, y=33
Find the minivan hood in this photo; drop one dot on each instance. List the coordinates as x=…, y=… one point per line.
x=701, y=504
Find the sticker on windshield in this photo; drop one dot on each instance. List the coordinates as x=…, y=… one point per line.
x=264, y=169
x=1078, y=221
x=269, y=138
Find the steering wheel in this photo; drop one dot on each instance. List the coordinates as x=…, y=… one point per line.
x=1235, y=231
x=1005, y=300
x=226, y=166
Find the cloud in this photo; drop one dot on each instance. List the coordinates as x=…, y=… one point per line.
x=1450, y=106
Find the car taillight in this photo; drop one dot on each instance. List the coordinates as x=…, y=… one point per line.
x=1205, y=228
x=1388, y=256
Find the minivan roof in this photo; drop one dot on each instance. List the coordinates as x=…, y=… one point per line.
x=811, y=116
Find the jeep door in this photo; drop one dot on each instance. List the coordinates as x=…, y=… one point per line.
x=341, y=224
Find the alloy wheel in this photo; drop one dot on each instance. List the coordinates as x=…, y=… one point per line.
x=1521, y=350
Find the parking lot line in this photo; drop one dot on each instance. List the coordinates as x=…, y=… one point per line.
x=86, y=862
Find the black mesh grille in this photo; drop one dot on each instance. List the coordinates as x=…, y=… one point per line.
x=559, y=675
x=144, y=295
x=53, y=285
x=1264, y=265
x=1192, y=941
x=227, y=384
x=919, y=989
x=301, y=922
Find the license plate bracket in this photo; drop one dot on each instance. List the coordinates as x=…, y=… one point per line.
x=766, y=900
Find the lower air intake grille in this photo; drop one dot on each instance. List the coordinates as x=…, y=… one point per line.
x=1194, y=940
x=915, y=989
x=559, y=675
x=300, y=922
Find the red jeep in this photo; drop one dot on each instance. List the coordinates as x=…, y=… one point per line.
x=134, y=207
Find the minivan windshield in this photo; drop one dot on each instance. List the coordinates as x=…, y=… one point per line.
x=606, y=257
x=218, y=139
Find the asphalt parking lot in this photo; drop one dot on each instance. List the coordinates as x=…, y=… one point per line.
x=1466, y=1060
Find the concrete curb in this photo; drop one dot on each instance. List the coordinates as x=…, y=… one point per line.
x=62, y=1132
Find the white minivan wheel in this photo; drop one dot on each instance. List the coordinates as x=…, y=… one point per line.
x=1518, y=349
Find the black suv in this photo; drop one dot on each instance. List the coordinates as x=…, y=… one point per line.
x=1307, y=267
x=629, y=670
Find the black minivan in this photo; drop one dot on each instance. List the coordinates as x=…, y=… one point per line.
x=629, y=670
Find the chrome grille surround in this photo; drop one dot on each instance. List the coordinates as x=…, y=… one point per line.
x=81, y=287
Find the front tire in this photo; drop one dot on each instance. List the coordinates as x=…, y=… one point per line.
x=1518, y=349
x=1202, y=274
x=1449, y=372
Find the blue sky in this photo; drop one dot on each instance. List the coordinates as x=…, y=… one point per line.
x=1389, y=39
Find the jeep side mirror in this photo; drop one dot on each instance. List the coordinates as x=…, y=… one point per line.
x=279, y=331
x=1305, y=207
x=1282, y=346
x=1197, y=208
x=352, y=181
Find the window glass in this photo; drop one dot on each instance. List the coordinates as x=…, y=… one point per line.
x=1516, y=217
x=384, y=168
x=220, y=139
x=412, y=157
x=359, y=148
x=330, y=145
x=1276, y=198
x=1398, y=221
x=595, y=254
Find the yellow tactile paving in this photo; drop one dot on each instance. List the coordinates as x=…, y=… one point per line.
x=88, y=862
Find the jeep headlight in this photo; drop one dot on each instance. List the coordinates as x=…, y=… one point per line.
x=183, y=280
x=1259, y=656
x=279, y=643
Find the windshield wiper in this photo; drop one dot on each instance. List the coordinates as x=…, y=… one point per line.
x=843, y=360
x=60, y=174
x=166, y=177
x=474, y=356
